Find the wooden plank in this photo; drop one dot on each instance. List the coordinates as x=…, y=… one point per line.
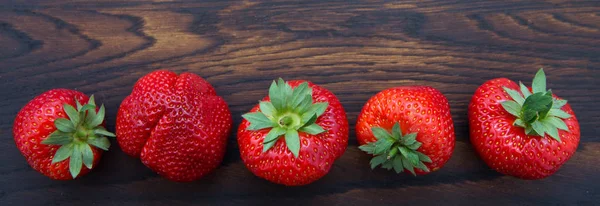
x=355, y=49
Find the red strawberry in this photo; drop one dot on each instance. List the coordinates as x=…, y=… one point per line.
x=287, y=139
x=522, y=132
x=177, y=125
x=57, y=135
x=407, y=129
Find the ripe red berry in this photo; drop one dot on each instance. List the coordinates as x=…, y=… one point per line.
x=408, y=129
x=177, y=125
x=294, y=135
x=522, y=132
x=58, y=136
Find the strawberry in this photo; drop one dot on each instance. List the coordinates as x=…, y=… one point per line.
x=522, y=132
x=176, y=125
x=58, y=136
x=409, y=129
x=294, y=135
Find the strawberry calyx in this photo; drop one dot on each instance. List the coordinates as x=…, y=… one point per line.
x=536, y=110
x=397, y=151
x=288, y=112
x=77, y=134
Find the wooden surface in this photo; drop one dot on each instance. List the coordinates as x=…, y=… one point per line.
x=355, y=49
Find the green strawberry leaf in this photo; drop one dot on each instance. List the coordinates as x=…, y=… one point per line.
x=87, y=154
x=551, y=131
x=304, y=106
x=75, y=162
x=516, y=96
x=528, y=130
x=64, y=125
x=414, y=146
x=538, y=128
x=377, y=160
x=286, y=91
x=272, y=137
x=539, y=82
x=383, y=145
x=309, y=121
x=380, y=133
x=407, y=165
x=102, y=131
x=368, y=148
x=89, y=108
x=524, y=90
x=98, y=118
x=520, y=123
x=559, y=113
x=423, y=157
x=276, y=96
x=58, y=138
x=267, y=109
x=411, y=156
x=422, y=166
x=559, y=103
x=313, y=129
x=397, y=164
x=512, y=107
x=409, y=139
x=90, y=116
x=292, y=140
x=72, y=113
x=62, y=153
x=404, y=151
x=556, y=122
x=396, y=131
x=92, y=101
x=78, y=104
x=318, y=108
x=99, y=142
x=299, y=94
x=258, y=121
x=387, y=165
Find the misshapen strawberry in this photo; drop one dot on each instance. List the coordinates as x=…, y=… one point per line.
x=408, y=129
x=58, y=136
x=177, y=125
x=294, y=135
x=522, y=132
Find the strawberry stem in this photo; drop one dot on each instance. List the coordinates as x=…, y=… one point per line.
x=537, y=111
x=397, y=151
x=77, y=133
x=290, y=120
x=288, y=112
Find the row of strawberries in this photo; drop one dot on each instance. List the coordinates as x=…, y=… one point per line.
x=178, y=126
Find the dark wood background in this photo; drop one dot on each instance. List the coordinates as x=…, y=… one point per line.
x=353, y=48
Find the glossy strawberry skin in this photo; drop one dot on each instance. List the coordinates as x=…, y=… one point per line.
x=176, y=125
x=506, y=148
x=33, y=124
x=140, y=111
x=317, y=152
x=418, y=109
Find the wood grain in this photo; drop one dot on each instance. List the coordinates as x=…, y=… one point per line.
x=353, y=48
